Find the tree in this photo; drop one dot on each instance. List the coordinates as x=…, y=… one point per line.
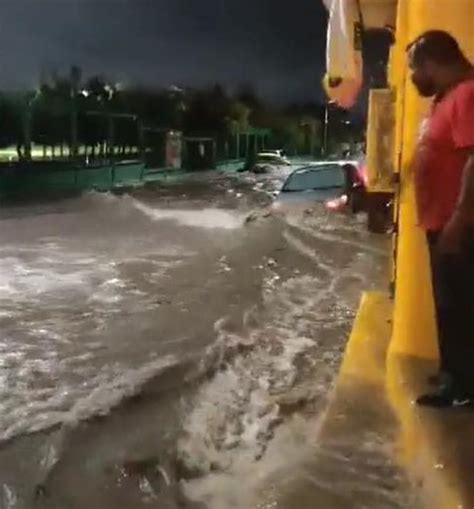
x=60, y=114
x=11, y=129
x=206, y=112
x=238, y=117
x=50, y=111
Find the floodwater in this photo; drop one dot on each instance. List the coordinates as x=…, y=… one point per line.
x=158, y=349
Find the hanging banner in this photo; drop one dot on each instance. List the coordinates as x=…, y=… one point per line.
x=343, y=80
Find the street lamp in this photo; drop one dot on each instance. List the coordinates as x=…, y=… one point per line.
x=326, y=127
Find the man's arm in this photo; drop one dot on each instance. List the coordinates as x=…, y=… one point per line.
x=462, y=121
x=454, y=233
x=465, y=205
x=462, y=118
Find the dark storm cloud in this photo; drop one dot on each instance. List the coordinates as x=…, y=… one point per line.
x=279, y=45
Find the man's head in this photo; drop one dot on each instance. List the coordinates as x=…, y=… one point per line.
x=435, y=59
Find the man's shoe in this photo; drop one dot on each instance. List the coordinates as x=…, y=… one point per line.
x=444, y=399
x=436, y=400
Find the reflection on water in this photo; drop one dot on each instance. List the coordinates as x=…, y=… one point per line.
x=158, y=350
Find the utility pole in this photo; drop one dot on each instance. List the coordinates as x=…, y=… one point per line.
x=75, y=82
x=237, y=144
x=326, y=130
x=27, y=121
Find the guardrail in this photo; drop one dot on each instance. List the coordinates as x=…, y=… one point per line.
x=57, y=177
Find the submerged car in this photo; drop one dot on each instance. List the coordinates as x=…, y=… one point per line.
x=336, y=184
x=265, y=162
x=277, y=152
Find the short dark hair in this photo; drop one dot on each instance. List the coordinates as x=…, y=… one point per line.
x=438, y=46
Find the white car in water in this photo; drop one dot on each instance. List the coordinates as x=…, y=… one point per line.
x=313, y=183
x=265, y=162
x=277, y=152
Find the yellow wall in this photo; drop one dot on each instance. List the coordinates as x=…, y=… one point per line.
x=414, y=330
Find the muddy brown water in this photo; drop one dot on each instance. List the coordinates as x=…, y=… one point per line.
x=159, y=350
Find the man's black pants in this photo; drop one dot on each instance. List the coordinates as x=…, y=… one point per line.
x=453, y=287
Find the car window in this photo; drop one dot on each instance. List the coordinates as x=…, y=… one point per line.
x=269, y=159
x=323, y=177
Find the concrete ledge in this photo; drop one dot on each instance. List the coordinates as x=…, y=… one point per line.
x=435, y=447
x=367, y=348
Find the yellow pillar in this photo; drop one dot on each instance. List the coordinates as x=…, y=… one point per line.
x=414, y=329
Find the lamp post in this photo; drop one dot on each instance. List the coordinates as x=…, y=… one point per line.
x=75, y=78
x=326, y=127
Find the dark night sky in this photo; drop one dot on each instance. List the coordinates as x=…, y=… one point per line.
x=279, y=45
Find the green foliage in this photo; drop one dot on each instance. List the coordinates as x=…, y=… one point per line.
x=63, y=101
x=11, y=120
x=237, y=119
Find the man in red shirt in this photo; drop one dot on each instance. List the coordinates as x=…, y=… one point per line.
x=444, y=182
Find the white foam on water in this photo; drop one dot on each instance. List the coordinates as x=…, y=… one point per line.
x=70, y=405
x=340, y=230
x=209, y=218
x=110, y=391
x=55, y=303
x=347, y=281
x=54, y=274
x=9, y=498
x=251, y=484
x=307, y=251
x=232, y=423
x=320, y=232
x=109, y=292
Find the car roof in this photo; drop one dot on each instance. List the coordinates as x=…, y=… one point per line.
x=269, y=153
x=336, y=162
x=318, y=166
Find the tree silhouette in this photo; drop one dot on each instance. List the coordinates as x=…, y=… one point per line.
x=58, y=113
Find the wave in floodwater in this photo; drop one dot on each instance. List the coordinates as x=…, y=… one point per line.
x=164, y=356
x=204, y=218
x=289, y=364
x=248, y=384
